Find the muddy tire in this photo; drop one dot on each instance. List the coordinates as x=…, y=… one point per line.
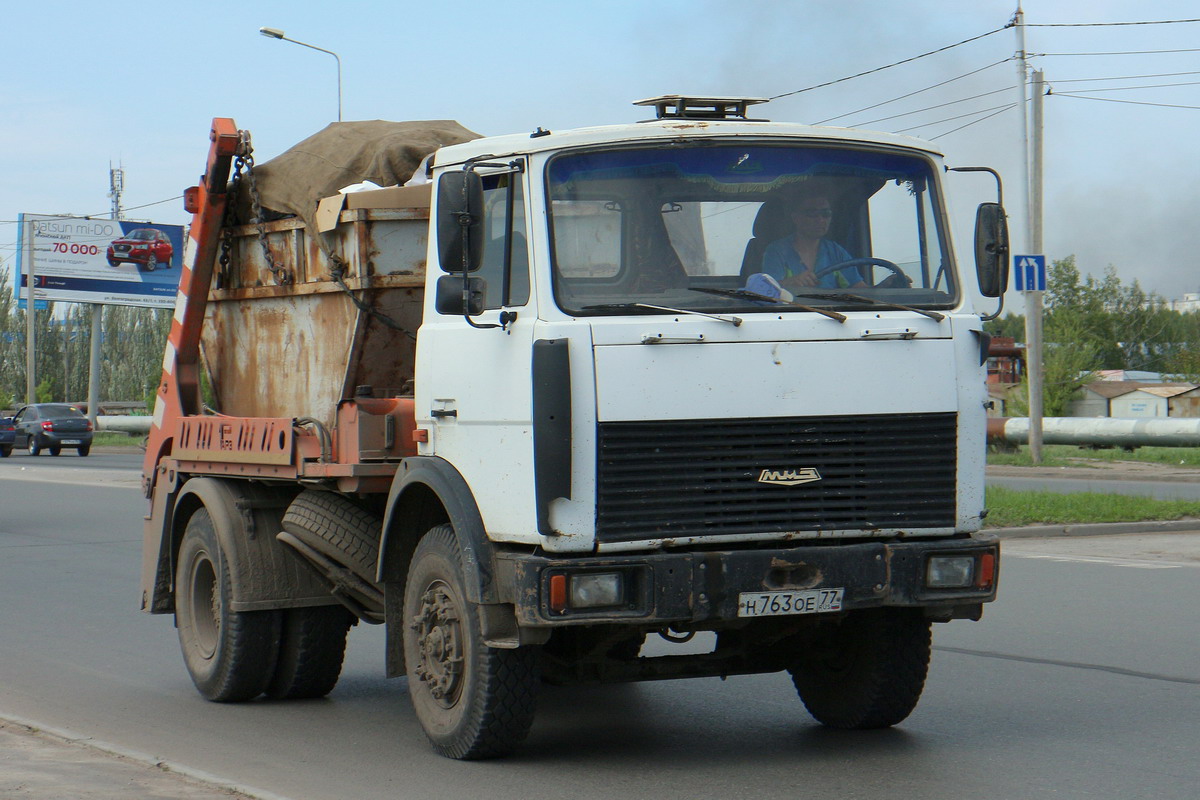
x=311, y=649
x=230, y=655
x=336, y=527
x=473, y=701
x=868, y=672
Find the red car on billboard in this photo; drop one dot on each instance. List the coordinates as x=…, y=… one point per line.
x=147, y=247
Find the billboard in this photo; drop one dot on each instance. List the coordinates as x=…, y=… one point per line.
x=106, y=261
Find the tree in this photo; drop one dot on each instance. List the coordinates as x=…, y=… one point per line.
x=1125, y=326
x=131, y=352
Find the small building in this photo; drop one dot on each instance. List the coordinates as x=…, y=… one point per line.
x=1128, y=375
x=1006, y=360
x=1000, y=395
x=1157, y=401
x=1094, y=399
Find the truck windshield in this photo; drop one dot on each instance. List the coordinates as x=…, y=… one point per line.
x=715, y=227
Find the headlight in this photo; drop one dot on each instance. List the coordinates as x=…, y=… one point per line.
x=950, y=572
x=592, y=590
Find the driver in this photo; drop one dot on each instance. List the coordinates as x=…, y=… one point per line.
x=795, y=260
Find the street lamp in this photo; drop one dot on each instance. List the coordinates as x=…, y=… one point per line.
x=275, y=33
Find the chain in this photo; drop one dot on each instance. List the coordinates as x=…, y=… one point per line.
x=338, y=274
x=224, y=274
x=282, y=276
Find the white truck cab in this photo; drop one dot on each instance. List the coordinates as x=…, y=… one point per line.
x=624, y=381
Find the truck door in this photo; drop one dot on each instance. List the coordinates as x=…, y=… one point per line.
x=474, y=377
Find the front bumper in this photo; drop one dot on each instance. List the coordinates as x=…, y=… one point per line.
x=702, y=588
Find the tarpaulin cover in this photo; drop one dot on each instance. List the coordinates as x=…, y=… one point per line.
x=342, y=154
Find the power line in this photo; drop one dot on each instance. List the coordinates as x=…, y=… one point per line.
x=951, y=119
x=1128, y=88
x=102, y=215
x=1130, y=102
x=1127, y=77
x=918, y=91
x=1118, y=53
x=889, y=66
x=1106, y=24
x=939, y=105
x=975, y=122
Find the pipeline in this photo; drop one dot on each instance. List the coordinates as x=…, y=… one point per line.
x=1160, y=432
x=122, y=423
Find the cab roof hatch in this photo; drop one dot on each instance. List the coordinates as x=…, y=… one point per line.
x=677, y=106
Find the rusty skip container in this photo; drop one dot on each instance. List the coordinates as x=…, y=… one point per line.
x=333, y=310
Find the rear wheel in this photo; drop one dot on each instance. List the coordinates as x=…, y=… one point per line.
x=54, y=449
x=33, y=446
x=473, y=701
x=84, y=449
x=229, y=654
x=6, y=451
x=868, y=672
x=311, y=649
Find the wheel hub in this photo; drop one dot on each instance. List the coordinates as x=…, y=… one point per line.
x=438, y=627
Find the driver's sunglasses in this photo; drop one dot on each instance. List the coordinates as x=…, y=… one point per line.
x=813, y=213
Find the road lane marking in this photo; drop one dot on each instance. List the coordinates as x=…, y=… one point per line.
x=1136, y=563
x=1073, y=664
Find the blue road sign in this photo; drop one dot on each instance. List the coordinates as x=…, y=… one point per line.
x=1030, y=273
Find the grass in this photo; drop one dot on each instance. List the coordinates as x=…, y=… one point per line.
x=1062, y=455
x=1010, y=508
x=110, y=439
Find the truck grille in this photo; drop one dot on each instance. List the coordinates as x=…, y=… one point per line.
x=677, y=478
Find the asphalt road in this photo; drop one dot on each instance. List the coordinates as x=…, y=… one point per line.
x=1082, y=681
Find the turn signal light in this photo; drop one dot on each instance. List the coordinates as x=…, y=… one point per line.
x=987, y=571
x=558, y=593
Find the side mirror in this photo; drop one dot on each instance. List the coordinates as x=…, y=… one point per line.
x=448, y=298
x=460, y=221
x=991, y=249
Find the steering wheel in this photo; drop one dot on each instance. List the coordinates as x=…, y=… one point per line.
x=897, y=273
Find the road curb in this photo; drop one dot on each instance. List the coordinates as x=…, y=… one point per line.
x=68, y=737
x=1097, y=529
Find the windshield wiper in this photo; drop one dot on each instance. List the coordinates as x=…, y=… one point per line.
x=735, y=321
x=871, y=301
x=744, y=294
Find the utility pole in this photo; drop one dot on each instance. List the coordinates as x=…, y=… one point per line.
x=116, y=184
x=1033, y=300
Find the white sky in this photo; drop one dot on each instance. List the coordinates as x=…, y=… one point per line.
x=137, y=83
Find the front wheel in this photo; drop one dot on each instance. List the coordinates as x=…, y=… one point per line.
x=868, y=672
x=151, y=263
x=473, y=701
x=229, y=654
x=6, y=451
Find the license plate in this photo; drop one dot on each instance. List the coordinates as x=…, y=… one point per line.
x=777, y=604
x=69, y=441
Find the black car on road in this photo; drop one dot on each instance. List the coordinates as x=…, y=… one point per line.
x=8, y=435
x=51, y=427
